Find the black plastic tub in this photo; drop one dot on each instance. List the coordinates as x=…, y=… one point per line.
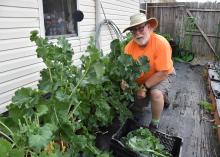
x=172, y=144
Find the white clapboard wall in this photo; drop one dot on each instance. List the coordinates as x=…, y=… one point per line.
x=19, y=65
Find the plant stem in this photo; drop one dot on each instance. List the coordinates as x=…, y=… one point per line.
x=7, y=128
x=6, y=136
x=84, y=75
x=92, y=149
x=29, y=152
x=74, y=109
x=154, y=152
x=62, y=74
x=56, y=115
x=50, y=75
x=37, y=120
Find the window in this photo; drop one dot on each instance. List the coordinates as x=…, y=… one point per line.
x=58, y=17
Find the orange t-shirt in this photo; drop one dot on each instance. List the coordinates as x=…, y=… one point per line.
x=157, y=50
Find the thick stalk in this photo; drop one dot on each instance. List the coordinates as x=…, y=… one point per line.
x=156, y=153
x=51, y=80
x=7, y=137
x=74, y=109
x=37, y=120
x=62, y=74
x=56, y=115
x=7, y=128
x=92, y=149
x=84, y=75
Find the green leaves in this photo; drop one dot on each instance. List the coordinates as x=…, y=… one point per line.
x=42, y=136
x=61, y=96
x=144, y=64
x=25, y=97
x=71, y=102
x=124, y=67
x=99, y=69
x=144, y=142
x=7, y=151
x=16, y=152
x=206, y=106
x=116, y=48
x=125, y=59
x=23, y=103
x=42, y=110
x=5, y=147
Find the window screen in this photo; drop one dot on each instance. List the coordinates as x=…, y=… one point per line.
x=58, y=17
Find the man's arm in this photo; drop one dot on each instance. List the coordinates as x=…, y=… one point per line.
x=156, y=78
x=153, y=80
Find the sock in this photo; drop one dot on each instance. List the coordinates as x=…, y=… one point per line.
x=155, y=121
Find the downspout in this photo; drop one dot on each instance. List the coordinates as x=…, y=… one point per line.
x=97, y=19
x=146, y=8
x=139, y=5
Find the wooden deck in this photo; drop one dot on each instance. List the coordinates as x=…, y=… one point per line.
x=184, y=118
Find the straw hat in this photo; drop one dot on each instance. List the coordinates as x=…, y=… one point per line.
x=140, y=18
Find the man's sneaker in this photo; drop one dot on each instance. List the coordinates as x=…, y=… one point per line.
x=153, y=126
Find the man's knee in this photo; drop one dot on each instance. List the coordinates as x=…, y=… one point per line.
x=156, y=94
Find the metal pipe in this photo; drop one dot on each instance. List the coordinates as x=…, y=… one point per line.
x=97, y=16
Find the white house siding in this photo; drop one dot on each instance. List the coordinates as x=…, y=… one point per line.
x=119, y=11
x=19, y=65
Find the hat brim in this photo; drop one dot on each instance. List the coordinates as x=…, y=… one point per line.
x=152, y=21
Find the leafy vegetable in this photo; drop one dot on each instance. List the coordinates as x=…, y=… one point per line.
x=71, y=103
x=144, y=142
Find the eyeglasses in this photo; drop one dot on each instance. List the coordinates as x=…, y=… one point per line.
x=139, y=29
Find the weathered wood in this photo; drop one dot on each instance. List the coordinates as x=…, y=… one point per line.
x=207, y=16
x=205, y=10
x=176, y=6
x=185, y=118
x=199, y=34
x=203, y=34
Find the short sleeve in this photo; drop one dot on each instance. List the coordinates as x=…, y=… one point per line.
x=163, y=60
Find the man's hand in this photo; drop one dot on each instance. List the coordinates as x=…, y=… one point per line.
x=124, y=85
x=141, y=92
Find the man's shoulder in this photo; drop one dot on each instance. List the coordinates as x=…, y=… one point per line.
x=160, y=39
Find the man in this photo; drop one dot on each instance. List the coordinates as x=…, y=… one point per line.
x=156, y=81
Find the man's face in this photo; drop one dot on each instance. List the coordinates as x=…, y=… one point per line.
x=141, y=33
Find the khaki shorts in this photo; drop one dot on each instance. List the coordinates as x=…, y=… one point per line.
x=163, y=86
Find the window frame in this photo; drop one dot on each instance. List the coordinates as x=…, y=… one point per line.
x=42, y=24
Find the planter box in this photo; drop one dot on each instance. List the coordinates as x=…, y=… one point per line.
x=217, y=118
x=214, y=66
x=172, y=144
x=211, y=96
x=103, y=138
x=214, y=93
x=215, y=85
x=213, y=75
